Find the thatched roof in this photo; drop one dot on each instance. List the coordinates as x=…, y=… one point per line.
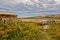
x=6, y=13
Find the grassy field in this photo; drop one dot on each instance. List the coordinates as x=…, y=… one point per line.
x=29, y=31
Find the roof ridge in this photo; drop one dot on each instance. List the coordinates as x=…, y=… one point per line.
x=6, y=13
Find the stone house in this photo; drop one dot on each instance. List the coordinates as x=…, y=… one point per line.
x=7, y=17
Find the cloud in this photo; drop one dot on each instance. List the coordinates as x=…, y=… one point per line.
x=30, y=6
x=57, y=1
x=18, y=1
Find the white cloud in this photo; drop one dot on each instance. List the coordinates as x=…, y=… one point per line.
x=18, y=1
x=31, y=7
x=57, y=1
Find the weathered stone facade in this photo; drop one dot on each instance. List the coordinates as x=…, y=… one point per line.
x=7, y=17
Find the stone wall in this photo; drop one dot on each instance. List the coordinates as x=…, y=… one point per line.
x=8, y=18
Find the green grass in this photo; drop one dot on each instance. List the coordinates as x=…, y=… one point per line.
x=28, y=31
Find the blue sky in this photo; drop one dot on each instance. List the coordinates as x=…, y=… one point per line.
x=27, y=8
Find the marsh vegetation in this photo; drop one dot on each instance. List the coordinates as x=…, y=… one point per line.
x=29, y=31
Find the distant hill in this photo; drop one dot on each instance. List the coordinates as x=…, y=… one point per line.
x=47, y=16
x=42, y=19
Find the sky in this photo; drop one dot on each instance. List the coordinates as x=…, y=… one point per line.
x=29, y=8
